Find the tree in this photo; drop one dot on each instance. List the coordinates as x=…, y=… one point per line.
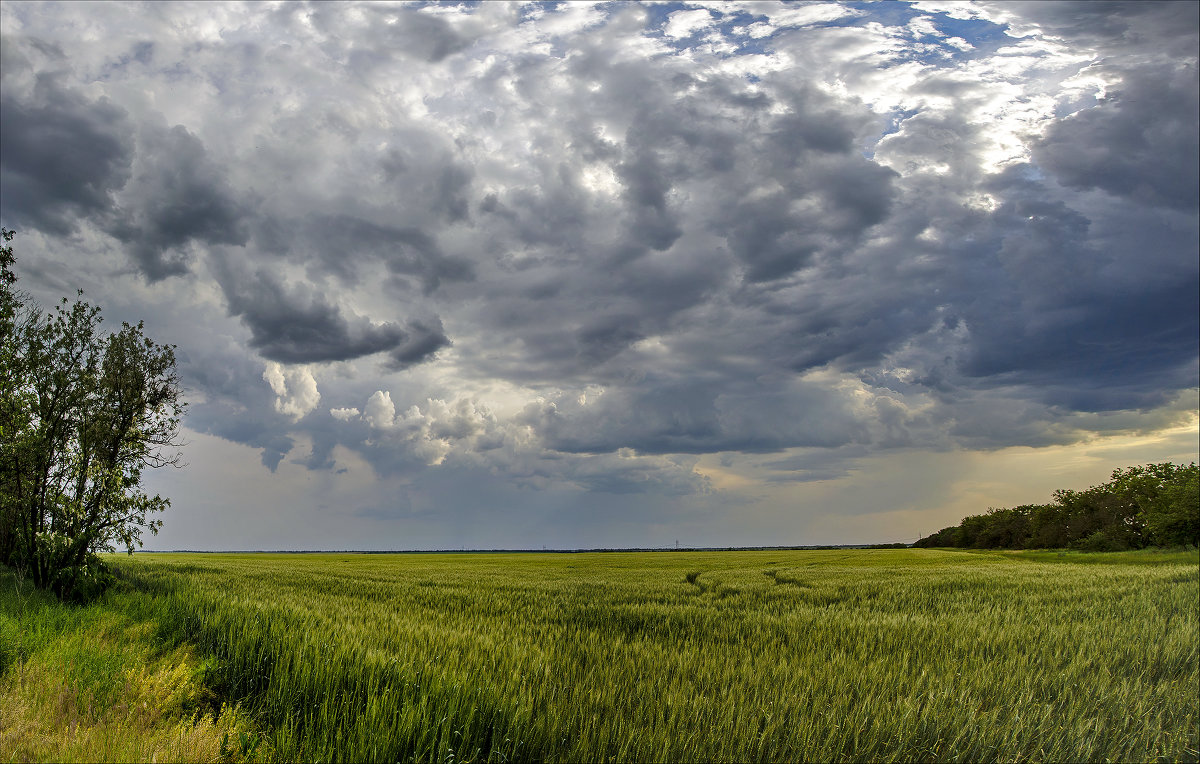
x=1168, y=496
x=944, y=537
x=1100, y=519
x=1047, y=526
x=1151, y=504
x=82, y=415
x=1006, y=528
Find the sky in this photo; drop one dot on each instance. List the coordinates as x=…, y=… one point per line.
x=585, y=275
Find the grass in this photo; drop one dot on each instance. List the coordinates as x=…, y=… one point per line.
x=85, y=684
x=840, y=655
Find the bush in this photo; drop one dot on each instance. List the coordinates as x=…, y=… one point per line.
x=1101, y=541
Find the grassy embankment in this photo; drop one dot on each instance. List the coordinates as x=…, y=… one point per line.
x=826, y=655
x=95, y=683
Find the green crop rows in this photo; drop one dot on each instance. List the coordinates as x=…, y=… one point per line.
x=889, y=655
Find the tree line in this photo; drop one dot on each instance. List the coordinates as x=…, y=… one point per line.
x=1143, y=506
x=83, y=413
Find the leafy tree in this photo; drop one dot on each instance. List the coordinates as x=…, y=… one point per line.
x=944, y=537
x=1005, y=528
x=1150, y=504
x=1100, y=519
x=82, y=415
x=1172, y=518
x=1161, y=496
x=1047, y=527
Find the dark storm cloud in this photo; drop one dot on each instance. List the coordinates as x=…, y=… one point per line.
x=176, y=196
x=298, y=325
x=764, y=202
x=1139, y=28
x=1022, y=284
x=422, y=340
x=665, y=416
x=343, y=242
x=66, y=158
x=1049, y=305
x=1128, y=349
x=816, y=242
x=789, y=189
x=63, y=155
x=646, y=187
x=1141, y=143
x=819, y=205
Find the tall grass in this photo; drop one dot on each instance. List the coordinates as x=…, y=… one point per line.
x=890, y=655
x=92, y=684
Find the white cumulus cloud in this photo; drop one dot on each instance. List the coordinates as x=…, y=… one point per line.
x=295, y=389
x=686, y=23
x=380, y=412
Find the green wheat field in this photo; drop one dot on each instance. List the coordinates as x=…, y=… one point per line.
x=830, y=655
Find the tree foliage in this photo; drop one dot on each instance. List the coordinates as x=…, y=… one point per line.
x=1150, y=505
x=82, y=414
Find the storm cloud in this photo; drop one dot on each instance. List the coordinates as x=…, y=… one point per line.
x=63, y=155
x=298, y=325
x=660, y=253
x=175, y=196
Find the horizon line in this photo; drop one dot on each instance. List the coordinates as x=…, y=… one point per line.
x=546, y=550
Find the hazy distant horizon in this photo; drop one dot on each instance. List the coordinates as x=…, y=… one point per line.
x=546, y=550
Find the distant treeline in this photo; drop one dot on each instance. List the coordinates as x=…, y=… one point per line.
x=1154, y=505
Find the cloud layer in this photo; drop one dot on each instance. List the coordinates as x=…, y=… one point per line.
x=583, y=246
